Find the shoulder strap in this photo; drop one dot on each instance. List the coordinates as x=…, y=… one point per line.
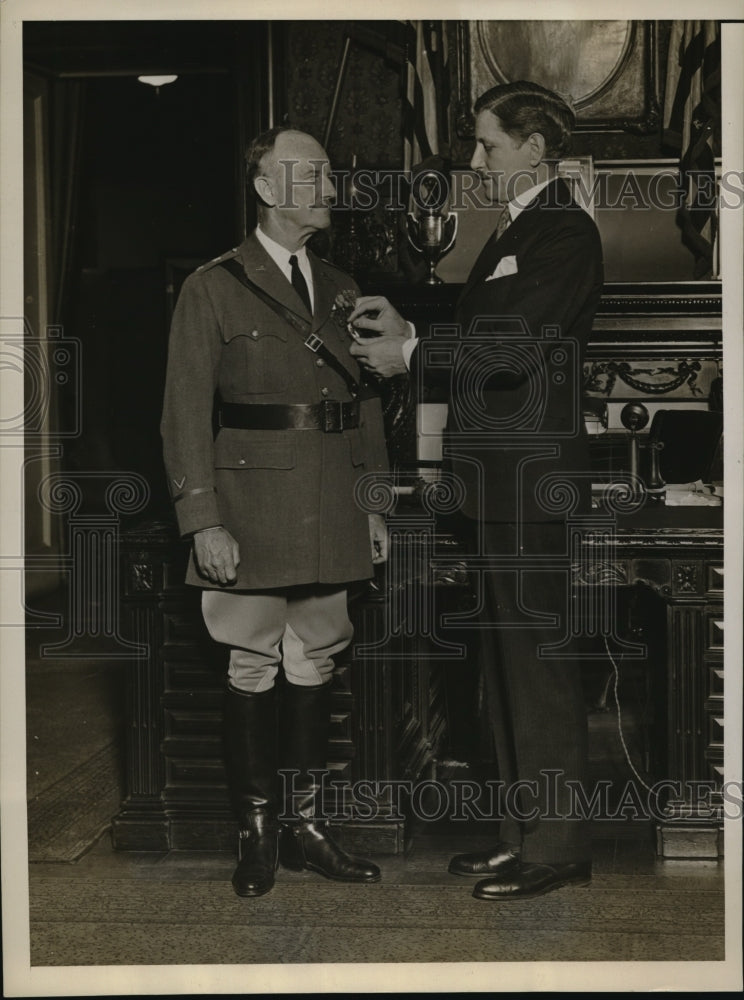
x=301, y=326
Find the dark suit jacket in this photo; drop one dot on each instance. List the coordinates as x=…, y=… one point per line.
x=515, y=428
x=286, y=496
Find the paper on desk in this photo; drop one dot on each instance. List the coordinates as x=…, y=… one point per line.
x=695, y=494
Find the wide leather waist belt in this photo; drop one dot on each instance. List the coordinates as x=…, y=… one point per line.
x=330, y=416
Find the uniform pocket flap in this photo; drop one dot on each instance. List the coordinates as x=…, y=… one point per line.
x=257, y=333
x=230, y=452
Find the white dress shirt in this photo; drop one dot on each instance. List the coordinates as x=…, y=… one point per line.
x=280, y=255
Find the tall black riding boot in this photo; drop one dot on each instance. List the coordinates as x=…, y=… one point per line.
x=250, y=735
x=304, y=841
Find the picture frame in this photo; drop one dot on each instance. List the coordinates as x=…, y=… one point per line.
x=609, y=69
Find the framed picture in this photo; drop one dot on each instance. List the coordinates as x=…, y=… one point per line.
x=608, y=69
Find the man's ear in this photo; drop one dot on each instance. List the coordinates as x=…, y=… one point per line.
x=264, y=189
x=536, y=143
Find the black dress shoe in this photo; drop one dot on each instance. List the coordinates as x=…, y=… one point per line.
x=528, y=880
x=258, y=855
x=309, y=846
x=500, y=858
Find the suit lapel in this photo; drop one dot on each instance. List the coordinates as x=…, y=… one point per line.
x=262, y=270
x=554, y=195
x=493, y=250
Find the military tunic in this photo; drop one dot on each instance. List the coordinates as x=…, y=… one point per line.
x=286, y=496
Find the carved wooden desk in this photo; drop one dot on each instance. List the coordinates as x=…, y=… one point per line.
x=676, y=555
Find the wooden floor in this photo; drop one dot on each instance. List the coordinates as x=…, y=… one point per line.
x=112, y=908
x=122, y=909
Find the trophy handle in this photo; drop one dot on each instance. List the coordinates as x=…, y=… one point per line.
x=450, y=229
x=412, y=227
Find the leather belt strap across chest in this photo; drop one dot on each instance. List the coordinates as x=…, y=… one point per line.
x=311, y=340
x=329, y=416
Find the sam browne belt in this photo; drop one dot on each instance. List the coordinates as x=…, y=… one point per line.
x=329, y=416
x=311, y=340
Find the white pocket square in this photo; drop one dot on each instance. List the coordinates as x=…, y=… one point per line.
x=507, y=265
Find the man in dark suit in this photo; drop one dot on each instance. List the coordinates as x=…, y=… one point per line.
x=269, y=500
x=516, y=439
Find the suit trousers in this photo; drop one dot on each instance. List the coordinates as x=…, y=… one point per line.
x=298, y=628
x=535, y=701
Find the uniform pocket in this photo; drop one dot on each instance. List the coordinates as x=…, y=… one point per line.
x=235, y=450
x=255, y=361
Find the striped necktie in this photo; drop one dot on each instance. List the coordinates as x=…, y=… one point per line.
x=503, y=224
x=299, y=283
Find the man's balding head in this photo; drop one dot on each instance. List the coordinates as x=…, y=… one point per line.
x=290, y=175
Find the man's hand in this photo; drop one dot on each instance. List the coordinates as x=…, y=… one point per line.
x=217, y=556
x=387, y=321
x=381, y=355
x=378, y=536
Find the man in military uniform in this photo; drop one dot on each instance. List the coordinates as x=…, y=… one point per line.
x=269, y=499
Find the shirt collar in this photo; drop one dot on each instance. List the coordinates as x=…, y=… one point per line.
x=518, y=204
x=279, y=254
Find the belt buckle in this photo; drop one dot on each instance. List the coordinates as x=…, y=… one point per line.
x=313, y=342
x=332, y=416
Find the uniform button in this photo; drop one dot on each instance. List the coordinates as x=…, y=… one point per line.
x=324, y=391
x=241, y=461
x=254, y=334
x=320, y=362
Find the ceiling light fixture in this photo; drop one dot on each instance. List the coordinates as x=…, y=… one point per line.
x=157, y=81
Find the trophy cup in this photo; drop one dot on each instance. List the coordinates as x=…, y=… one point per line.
x=429, y=232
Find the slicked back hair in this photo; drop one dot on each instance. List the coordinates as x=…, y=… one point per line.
x=523, y=107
